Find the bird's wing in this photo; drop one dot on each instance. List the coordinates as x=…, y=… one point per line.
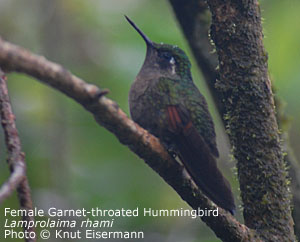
x=197, y=108
x=197, y=157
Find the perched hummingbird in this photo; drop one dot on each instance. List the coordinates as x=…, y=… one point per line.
x=164, y=100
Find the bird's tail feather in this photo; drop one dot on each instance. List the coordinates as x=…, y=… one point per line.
x=202, y=166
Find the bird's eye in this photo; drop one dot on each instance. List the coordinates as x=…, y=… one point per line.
x=166, y=55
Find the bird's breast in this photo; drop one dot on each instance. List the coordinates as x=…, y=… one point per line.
x=147, y=106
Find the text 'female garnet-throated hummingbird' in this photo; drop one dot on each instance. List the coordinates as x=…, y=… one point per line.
x=164, y=100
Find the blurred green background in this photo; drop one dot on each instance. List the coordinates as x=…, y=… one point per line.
x=74, y=163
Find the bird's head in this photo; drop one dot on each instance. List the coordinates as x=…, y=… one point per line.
x=169, y=60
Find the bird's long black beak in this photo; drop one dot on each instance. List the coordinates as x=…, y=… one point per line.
x=149, y=43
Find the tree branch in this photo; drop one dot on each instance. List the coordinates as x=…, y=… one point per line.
x=194, y=18
x=16, y=158
x=245, y=86
x=108, y=114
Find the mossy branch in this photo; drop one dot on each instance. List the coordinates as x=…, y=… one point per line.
x=194, y=18
x=246, y=90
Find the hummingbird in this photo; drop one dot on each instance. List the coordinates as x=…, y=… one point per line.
x=164, y=100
